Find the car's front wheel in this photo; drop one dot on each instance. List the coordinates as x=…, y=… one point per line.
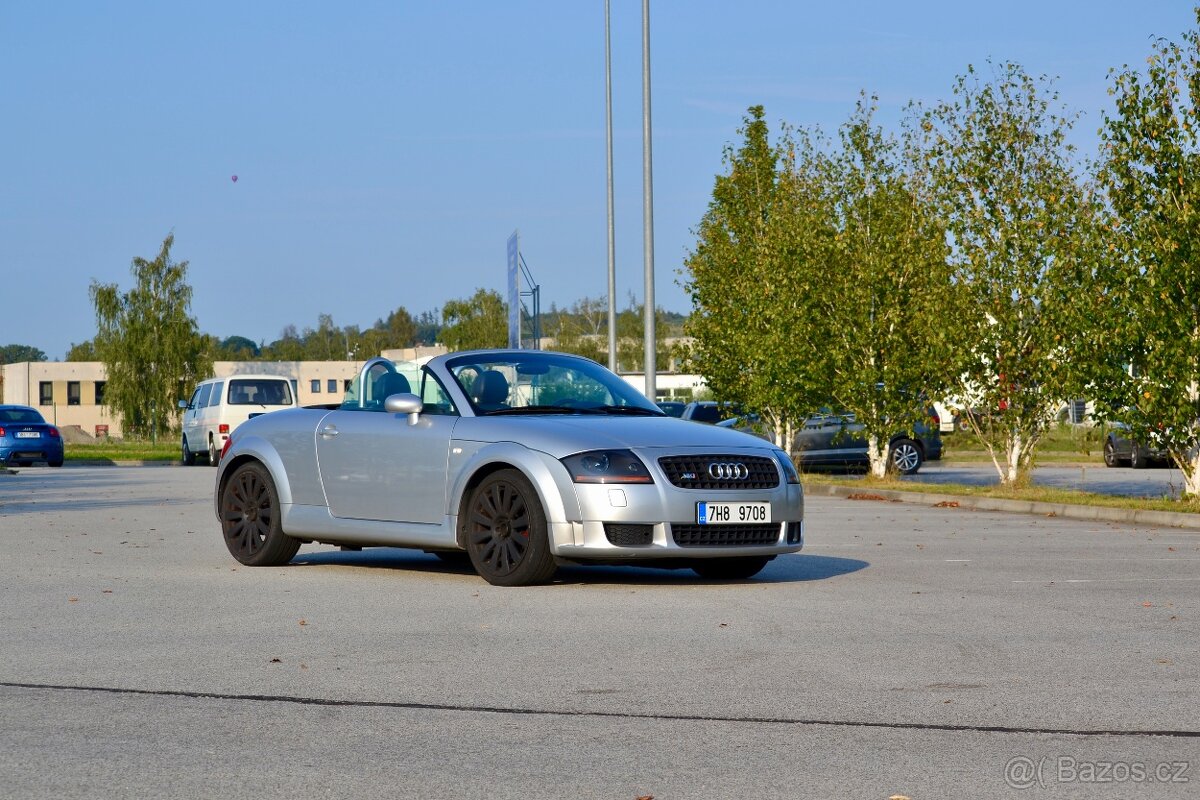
x=506, y=534
x=906, y=456
x=250, y=519
x=187, y=457
x=729, y=569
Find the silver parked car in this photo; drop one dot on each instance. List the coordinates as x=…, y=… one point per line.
x=522, y=460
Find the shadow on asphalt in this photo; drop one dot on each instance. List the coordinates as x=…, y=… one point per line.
x=794, y=568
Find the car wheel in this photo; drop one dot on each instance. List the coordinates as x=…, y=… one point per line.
x=506, y=531
x=250, y=519
x=1110, y=454
x=729, y=569
x=1136, y=459
x=214, y=455
x=906, y=456
x=188, y=458
x=58, y=462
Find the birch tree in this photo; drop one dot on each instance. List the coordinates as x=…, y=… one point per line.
x=889, y=293
x=150, y=344
x=1021, y=227
x=1150, y=170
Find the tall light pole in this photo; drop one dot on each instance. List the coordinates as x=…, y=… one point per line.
x=647, y=205
x=612, y=258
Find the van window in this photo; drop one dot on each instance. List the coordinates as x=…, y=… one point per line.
x=215, y=398
x=259, y=392
x=202, y=394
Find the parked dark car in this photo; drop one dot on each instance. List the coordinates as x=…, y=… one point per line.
x=672, y=408
x=26, y=437
x=709, y=411
x=827, y=440
x=1120, y=448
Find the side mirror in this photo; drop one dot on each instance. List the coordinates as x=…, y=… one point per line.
x=404, y=403
x=183, y=403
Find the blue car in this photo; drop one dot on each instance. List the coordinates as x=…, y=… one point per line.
x=25, y=437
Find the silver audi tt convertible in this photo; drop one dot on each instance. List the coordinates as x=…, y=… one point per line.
x=518, y=460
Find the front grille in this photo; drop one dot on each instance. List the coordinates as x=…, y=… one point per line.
x=725, y=535
x=624, y=535
x=692, y=472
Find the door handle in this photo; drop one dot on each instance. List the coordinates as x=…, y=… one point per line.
x=329, y=431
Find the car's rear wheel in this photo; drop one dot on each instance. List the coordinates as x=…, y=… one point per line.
x=187, y=457
x=250, y=519
x=906, y=456
x=1110, y=454
x=214, y=455
x=729, y=569
x=1136, y=459
x=506, y=531
x=57, y=462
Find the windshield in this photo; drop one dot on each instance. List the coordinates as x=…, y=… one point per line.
x=549, y=383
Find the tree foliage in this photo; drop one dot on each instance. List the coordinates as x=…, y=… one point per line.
x=1150, y=171
x=1023, y=239
x=477, y=322
x=17, y=353
x=149, y=343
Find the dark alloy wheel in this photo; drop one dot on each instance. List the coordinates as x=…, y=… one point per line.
x=906, y=456
x=729, y=569
x=1110, y=454
x=506, y=531
x=250, y=519
x=187, y=457
x=214, y=455
x=1136, y=459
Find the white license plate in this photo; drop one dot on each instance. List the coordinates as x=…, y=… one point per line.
x=732, y=513
x=28, y=435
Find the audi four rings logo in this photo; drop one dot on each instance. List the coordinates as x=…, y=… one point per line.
x=729, y=471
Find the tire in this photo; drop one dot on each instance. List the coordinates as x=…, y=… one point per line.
x=55, y=463
x=1110, y=454
x=1136, y=459
x=906, y=456
x=506, y=531
x=214, y=455
x=250, y=521
x=187, y=457
x=729, y=569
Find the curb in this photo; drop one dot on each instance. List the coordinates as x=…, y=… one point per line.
x=1166, y=519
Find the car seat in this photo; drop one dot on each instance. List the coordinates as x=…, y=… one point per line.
x=388, y=384
x=490, y=391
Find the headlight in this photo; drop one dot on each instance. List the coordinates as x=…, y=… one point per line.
x=607, y=466
x=789, y=469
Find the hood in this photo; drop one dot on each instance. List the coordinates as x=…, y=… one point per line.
x=562, y=435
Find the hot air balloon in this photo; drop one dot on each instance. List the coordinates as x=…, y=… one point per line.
x=235, y=178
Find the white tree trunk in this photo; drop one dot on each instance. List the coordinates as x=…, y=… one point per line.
x=877, y=456
x=1013, y=467
x=1190, y=467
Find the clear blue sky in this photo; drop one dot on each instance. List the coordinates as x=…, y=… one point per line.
x=386, y=150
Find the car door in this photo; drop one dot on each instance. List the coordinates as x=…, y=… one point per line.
x=375, y=465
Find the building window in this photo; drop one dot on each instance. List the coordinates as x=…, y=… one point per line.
x=331, y=385
x=100, y=393
x=73, y=395
x=315, y=385
x=45, y=393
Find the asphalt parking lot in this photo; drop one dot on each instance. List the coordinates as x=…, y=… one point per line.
x=917, y=651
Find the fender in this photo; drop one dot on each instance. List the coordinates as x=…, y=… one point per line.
x=549, y=477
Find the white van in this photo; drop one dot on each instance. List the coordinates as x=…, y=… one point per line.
x=219, y=405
